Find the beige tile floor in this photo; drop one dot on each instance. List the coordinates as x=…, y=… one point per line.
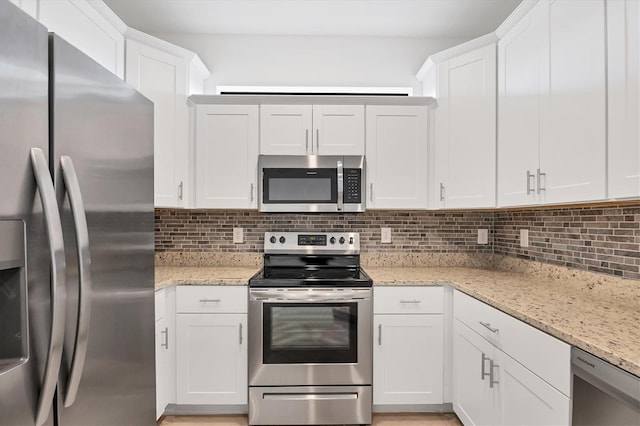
x=414, y=419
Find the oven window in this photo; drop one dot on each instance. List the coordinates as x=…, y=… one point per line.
x=296, y=333
x=295, y=186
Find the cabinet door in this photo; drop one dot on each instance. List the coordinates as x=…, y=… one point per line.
x=396, y=157
x=520, y=57
x=286, y=130
x=161, y=77
x=473, y=396
x=81, y=24
x=623, y=72
x=212, y=359
x=572, y=121
x=162, y=385
x=524, y=398
x=408, y=359
x=338, y=130
x=226, y=156
x=466, y=129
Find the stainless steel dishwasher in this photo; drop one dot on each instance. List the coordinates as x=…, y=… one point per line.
x=603, y=394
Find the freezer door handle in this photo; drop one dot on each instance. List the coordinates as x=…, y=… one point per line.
x=84, y=278
x=56, y=247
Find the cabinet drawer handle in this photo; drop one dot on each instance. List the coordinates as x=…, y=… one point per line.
x=488, y=327
x=414, y=301
x=307, y=141
x=251, y=192
x=210, y=300
x=529, y=176
x=380, y=335
x=241, y=333
x=371, y=192
x=491, y=367
x=317, y=141
x=180, y=189
x=483, y=374
x=441, y=191
x=166, y=338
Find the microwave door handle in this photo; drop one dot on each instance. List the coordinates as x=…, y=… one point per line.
x=340, y=185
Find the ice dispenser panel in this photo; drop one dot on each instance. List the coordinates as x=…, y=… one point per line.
x=13, y=295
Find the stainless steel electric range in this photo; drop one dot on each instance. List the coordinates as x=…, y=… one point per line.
x=310, y=332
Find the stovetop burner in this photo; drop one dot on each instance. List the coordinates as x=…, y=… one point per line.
x=305, y=259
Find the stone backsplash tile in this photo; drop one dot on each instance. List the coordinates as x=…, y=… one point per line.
x=598, y=238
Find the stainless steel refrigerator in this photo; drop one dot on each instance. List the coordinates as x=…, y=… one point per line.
x=76, y=236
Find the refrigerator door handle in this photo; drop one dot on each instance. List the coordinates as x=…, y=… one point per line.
x=84, y=278
x=58, y=273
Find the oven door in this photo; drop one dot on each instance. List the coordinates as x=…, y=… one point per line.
x=310, y=336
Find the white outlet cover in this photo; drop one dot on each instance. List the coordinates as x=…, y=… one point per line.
x=385, y=235
x=238, y=235
x=483, y=236
x=524, y=238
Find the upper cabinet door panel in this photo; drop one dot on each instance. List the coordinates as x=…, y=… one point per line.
x=623, y=55
x=79, y=23
x=471, y=144
x=396, y=157
x=226, y=156
x=338, y=129
x=286, y=130
x=520, y=56
x=572, y=118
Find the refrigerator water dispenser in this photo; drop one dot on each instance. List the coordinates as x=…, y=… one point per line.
x=13, y=295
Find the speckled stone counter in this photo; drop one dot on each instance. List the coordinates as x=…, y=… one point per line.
x=203, y=275
x=596, y=313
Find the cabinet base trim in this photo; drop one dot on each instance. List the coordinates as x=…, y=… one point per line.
x=414, y=408
x=188, y=409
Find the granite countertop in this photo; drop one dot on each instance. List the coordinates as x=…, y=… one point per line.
x=590, y=311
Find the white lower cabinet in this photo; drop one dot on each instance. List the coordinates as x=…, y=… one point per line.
x=491, y=387
x=408, y=351
x=211, y=329
x=165, y=350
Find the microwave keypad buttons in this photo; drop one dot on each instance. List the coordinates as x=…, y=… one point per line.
x=352, y=193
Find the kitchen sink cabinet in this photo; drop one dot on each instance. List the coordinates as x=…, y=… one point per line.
x=396, y=157
x=312, y=129
x=506, y=372
x=551, y=112
x=165, y=349
x=464, y=159
x=623, y=96
x=408, y=348
x=226, y=156
x=211, y=329
x=167, y=75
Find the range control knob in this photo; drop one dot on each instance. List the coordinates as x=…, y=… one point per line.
x=350, y=240
x=341, y=240
x=282, y=240
x=332, y=240
x=273, y=240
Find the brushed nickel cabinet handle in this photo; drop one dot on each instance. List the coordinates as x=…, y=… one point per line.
x=307, y=141
x=414, y=301
x=240, y=333
x=540, y=187
x=166, y=338
x=529, y=176
x=251, y=192
x=180, y=190
x=483, y=374
x=488, y=327
x=317, y=141
x=210, y=300
x=379, y=334
x=441, y=191
x=371, y=192
x=491, y=377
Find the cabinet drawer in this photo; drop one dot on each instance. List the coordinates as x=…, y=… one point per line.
x=546, y=356
x=408, y=300
x=161, y=304
x=211, y=299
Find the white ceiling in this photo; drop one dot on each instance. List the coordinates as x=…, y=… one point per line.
x=392, y=18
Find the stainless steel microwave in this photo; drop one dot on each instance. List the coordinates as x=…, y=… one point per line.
x=314, y=183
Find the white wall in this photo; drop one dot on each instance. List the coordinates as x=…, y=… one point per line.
x=247, y=60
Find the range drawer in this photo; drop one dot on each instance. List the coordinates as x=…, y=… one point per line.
x=408, y=300
x=541, y=353
x=211, y=299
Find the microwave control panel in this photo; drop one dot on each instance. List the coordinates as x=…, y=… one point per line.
x=352, y=186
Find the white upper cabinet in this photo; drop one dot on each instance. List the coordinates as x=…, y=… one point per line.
x=396, y=157
x=623, y=54
x=551, y=110
x=89, y=25
x=465, y=131
x=312, y=129
x=166, y=74
x=226, y=145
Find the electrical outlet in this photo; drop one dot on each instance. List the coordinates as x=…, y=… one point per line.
x=524, y=238
x=238, y=235
x=483, y=236
x=385, y=235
